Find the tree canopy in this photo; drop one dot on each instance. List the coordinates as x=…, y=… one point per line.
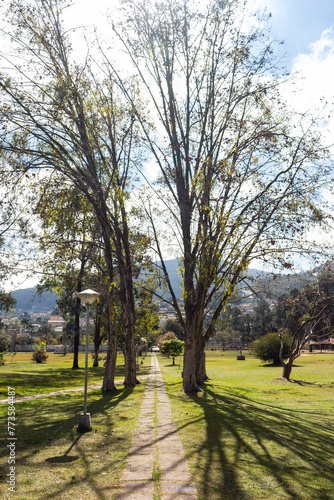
x=240, y=173
x=239, y=170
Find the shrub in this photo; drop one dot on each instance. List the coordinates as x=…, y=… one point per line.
x=4, y=343
x=39, y=354
x=23, y=340
x=267, y=347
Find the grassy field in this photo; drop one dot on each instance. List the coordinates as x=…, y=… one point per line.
x=52, y=460
x=245, y=436
x=31, y=378
x=249, y=437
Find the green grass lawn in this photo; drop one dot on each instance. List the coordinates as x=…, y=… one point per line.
x=53, y=461
x=245, y=436
x=248, y=437
x=31, y=378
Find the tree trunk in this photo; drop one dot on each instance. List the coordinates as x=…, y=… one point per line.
x=287, y=368
x=76, y=339
x=96, y=354
x=126, y=295
x=97, y=334
x=130, y=361
x=189, y=373
x=110, y=366
x=201, y=375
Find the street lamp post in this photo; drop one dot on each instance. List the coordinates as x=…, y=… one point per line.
x=88, y=297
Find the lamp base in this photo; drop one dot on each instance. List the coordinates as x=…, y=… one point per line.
x=84, y=423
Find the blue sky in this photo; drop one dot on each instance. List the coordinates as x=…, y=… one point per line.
x=299, y=22
x=307, y=28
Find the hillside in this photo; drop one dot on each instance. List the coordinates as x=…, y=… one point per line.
x=27, y=300
x=263, y=283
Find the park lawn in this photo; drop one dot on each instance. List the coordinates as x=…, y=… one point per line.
x=52, y=460
x=29, y=377
x=249, y=437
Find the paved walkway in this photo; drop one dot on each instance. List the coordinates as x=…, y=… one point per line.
x=156, y=464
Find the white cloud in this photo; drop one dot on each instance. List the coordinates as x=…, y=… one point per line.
x=317, y=68
x=312, y=90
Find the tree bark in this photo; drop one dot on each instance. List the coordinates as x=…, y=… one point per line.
x=76, y=339
x=189, y=373
x=110, y=366
x=126, y=294
x=287, y=368
x=96, y=354
x=97, y=334
x=130, y=378
x=201, y=375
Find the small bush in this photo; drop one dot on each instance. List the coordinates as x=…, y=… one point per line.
x=267, y=347
x=39, y=354
x=4, y=342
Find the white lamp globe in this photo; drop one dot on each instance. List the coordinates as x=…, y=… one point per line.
x=88, y=296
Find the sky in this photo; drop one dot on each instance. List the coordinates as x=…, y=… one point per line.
x=300, y=23
x=305, y=26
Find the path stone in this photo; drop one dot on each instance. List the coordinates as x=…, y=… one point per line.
x=156, y=446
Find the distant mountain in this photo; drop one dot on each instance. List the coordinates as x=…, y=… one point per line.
x=27, y=300
x=263, y=282
x=272, y=285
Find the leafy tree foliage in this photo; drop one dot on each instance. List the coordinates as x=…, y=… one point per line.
x=229, y=338
x=147, y=315
x=239, y=170
x=7, y=302
x=172, y=348
x=70, y=121
x=268, y=347
x=172, y=325
x=232, y=155
x=72, y=244
x=261, y=319
x=4, y=342
x=166, y=336
x=309, y=314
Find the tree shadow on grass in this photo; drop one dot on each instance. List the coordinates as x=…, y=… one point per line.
x=48, y=425
x=58, y=378
x=248, y=443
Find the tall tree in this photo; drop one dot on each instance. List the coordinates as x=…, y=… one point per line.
x=67, y=246
x=59, y=116
x=239, y=170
